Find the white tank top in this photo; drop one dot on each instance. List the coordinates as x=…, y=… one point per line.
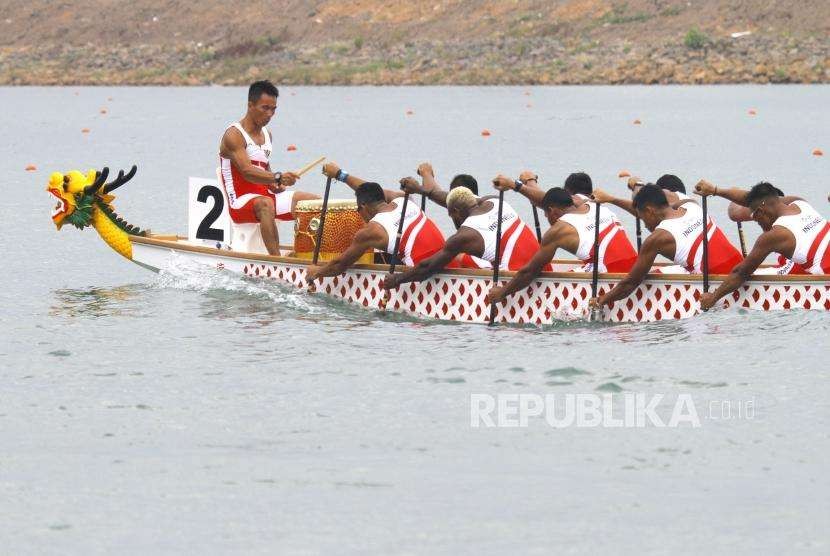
x=806, y=228
x=239, y=189
x=584, y=225
x=412, y=224
x=685, y=231
x=257, y=153
x=486, y=224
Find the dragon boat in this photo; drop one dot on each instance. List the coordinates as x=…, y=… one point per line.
x=214, y=241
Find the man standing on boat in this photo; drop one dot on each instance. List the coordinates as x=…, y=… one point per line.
x=677, y=234
x=257, y=194
x=477, y=221
x=795, y=230
x=572, y=229
x=380, y=209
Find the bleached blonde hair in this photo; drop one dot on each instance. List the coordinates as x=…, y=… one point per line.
x=461, y=198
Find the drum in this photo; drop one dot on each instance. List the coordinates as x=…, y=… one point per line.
x=342, y=223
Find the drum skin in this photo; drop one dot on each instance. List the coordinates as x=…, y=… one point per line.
x=342, y=223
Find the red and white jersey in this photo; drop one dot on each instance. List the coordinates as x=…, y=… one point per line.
x=688, y=239
x=812, y=238
x=420, y=237
x=616, y=254
x=518, y=243
x=240, y=190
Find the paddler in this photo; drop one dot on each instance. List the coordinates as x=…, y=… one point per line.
x=255, y=192
x=795, y=230
x=677, y=234
x=739, y=213
x=572, y=229
x=381, y=210
x=476, y=222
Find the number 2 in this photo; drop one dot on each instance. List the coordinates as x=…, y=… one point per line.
x=205, y=231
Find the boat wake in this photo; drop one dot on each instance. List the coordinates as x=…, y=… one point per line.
x=184, y=274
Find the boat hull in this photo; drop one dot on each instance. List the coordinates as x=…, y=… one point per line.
x=460, y=295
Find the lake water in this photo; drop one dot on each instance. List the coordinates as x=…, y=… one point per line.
x=197, y=412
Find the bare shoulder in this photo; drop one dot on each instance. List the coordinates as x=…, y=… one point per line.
x=231, y=140
x=374, y=234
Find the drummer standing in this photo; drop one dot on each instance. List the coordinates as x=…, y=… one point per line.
x=255, y=192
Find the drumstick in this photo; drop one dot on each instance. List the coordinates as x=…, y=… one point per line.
x=309, y=166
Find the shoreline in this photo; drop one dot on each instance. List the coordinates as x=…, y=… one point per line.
x=504, y=61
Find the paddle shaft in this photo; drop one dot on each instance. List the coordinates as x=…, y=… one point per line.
x=319, y=240
x=536, y=223
x=639, y=234
x=705, y=261
x=399, y=235
x=595, y=272
x=423, y=203
x=742, y=239
x=497, y=262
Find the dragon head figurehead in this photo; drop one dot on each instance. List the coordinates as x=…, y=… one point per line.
x=85, y=200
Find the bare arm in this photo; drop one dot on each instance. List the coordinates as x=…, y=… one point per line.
x=626, y=204
x=331, y=170
x=529, y=186
x=550, y=243
x=464, y=241
x=657, y=243
x=773, y=241
x=233, y=147
x=370, y=236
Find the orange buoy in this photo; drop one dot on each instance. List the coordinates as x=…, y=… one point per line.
x=624, y=174
x=637, y=122
x=292, y=148
x=485, y=133
x=818, y=152
x=752, y=111
x=85, y=130
x=31, y=168
x=103, y=110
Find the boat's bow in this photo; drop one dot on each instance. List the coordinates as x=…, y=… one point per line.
x=86, y=200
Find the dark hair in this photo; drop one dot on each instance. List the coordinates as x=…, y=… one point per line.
x=579, y=182
x=369, y=192
x=259, y=88
x=650, y=195
x=670, y=182
x=762, y=190
x=465, y=180
x=557, y=197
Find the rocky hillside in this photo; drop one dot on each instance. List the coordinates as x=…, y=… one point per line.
x=414, y=42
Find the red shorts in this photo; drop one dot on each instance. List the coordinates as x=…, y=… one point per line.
x=245, y=214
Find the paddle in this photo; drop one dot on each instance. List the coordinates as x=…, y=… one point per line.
x=394, y=253
x=423, y=203
x=705, y=261
x=595, y=313
x=742, y=239
x=319, y=239
x=639, y=234
x=497, y=262
x=536, y=222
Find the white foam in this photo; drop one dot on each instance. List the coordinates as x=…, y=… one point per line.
x=185, y=274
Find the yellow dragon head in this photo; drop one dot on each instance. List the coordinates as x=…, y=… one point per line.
x=78, y=194
x=85, y=200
